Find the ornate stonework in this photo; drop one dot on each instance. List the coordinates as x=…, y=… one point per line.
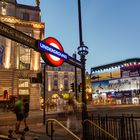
x=14, y=20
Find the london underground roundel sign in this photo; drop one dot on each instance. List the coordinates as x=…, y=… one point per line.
x=54, y=59
x=53, y=50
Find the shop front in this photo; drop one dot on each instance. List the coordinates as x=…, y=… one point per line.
x=56, y=102
x=4, y=100
x=118, y=91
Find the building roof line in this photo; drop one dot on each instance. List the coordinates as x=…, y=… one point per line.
x=28, y=7
x=115, y=64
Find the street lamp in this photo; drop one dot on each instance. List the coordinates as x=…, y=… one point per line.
x=82, y=51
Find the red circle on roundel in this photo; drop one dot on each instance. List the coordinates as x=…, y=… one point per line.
x=56, y=61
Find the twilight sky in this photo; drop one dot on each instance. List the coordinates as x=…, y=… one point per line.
x=111, y=28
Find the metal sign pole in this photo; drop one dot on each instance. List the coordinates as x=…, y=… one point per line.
x=44, y=95
x=76, y=95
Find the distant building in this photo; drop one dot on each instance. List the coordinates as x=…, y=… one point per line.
x=19, y=63
x=59, y=79
x=116, y=83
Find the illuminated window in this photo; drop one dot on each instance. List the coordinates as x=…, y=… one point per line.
x=55, y=85
x=55, y=75
x=66, y=74
x=23, y=92
x=3, y=8
x=24, y=57
x=23, y=86
x=24, y=83
x=3, y=11
x=66, y=85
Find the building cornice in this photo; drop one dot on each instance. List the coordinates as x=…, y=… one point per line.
x=17, y=21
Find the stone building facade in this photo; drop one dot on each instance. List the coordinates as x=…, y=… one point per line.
x=19, y=63
x=59, y=79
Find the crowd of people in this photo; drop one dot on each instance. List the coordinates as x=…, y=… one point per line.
x=21, y=110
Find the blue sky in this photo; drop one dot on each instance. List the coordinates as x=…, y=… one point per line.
x=111, y=28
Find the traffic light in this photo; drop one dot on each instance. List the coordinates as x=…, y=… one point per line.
x=72, y=87
x=80, y=87
x=39, y=77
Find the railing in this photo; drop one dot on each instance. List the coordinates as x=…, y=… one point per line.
x=125, y=127
x=104, y=132
x=60, y=124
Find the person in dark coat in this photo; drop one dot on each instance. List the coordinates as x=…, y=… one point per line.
x=18, y=109
x=26, y=113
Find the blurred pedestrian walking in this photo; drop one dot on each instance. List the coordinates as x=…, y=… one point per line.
x=26, y=113
x=72, y=115
x=69, y=114
x=18, y=109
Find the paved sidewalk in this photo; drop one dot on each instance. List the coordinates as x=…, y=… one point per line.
x=36, y=131
x=35, y=121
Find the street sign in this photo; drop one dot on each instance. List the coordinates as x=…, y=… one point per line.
x=53, y=50
x=17, y=36
x=55, y=57
x=74, y=62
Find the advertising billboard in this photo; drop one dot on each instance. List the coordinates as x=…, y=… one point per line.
x=124, y=84
x=100, y=86
x=106, y=75
x=130, y=71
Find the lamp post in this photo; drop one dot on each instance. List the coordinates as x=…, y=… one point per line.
x=82, y=51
